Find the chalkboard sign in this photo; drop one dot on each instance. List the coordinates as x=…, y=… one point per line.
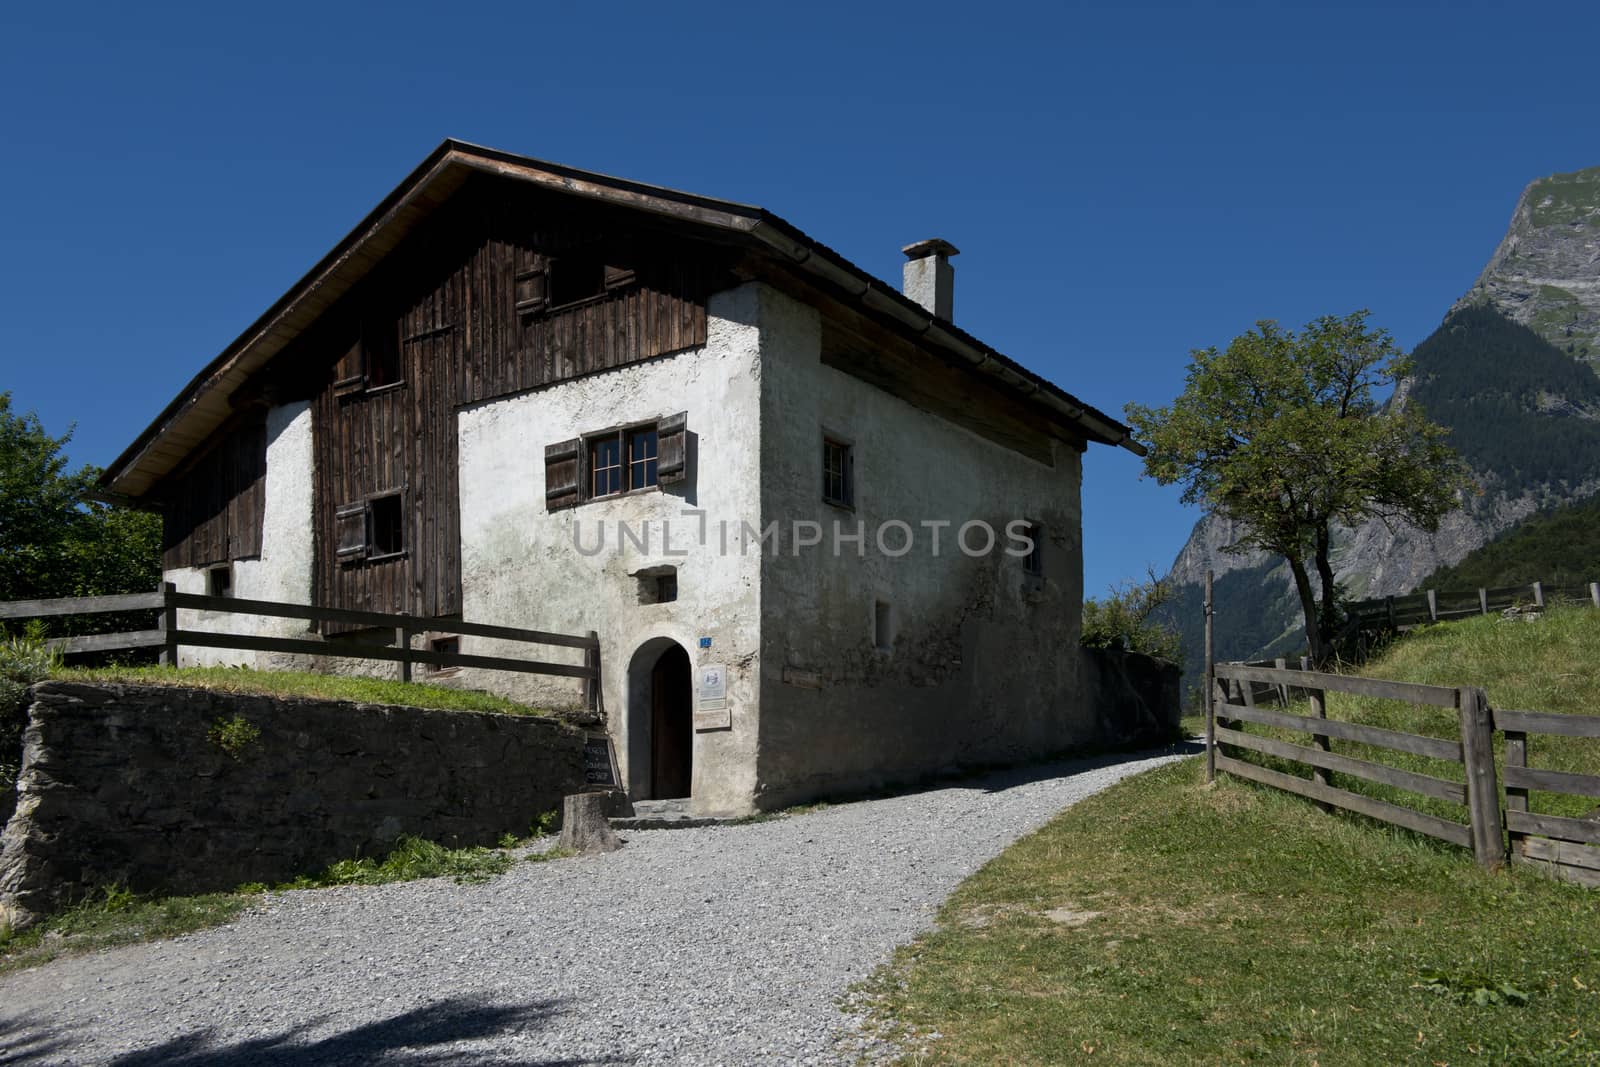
x=599, y=768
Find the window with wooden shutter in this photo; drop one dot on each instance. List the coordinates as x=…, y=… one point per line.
x=672, y=449
x=562, y=478
x=532, y=290
x=380, y=349
x=350, y=377
x=350, y=532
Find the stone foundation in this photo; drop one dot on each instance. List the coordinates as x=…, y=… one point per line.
x=135, y=786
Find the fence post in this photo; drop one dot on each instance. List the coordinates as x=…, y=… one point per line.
x=591, y=686
x=1538, y=595
x=1483, y=793
x=1516, y=796
x=402, y=641
x=1388, y=603
x=168, y=626
x=1483, y=601
x=1594, y=593
x=1210, y=691
x=1433, y=606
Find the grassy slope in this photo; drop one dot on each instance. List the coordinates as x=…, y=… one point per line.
x=304, y=684
x=1236, y=924
x=1558, y=547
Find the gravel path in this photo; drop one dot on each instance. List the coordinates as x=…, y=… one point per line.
x=719, y=945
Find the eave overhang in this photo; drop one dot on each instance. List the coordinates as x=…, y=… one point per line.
x=204, y=404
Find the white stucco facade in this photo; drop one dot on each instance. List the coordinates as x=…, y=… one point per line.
x=283, y=571
x=847, y=667
x=524, y=565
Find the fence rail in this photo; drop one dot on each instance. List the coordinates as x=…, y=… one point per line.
x=1432, y=605
x=169, y=637
x=1499, y=826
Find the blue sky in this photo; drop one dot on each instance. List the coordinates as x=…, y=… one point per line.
x=1125, y=182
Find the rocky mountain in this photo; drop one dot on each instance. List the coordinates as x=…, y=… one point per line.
x=1512, y=373
x=1546, y=272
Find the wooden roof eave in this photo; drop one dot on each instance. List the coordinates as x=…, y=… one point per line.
x=204, y=403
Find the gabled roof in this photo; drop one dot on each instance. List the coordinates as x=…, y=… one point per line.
x=203, y=405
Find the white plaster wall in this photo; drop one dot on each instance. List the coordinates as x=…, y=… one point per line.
x=522, y=567
x=283, y=570
x=984, y=665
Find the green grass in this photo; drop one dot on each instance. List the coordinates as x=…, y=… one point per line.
x=117, y=918
x=1542, y=665
x=304, y=684
x=411, y=858
x=1165, y=921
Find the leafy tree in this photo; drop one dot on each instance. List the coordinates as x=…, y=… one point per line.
x=1123, y=620
x=54, y=540
x=1281, y=433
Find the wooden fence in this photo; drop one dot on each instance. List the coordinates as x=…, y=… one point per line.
x=1558, y=845
x=1400, y=613
x=169, y=637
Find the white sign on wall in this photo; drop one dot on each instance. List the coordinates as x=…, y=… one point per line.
x=711, y=710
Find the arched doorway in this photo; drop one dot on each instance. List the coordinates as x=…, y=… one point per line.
x=660, y=741
x=671, y=725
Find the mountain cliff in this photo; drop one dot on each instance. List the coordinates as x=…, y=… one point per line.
x=1546, y=272
x=1511, y=373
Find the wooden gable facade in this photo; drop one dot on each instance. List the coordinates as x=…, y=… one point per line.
x=505, y=289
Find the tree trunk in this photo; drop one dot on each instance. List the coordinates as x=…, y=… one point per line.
x=1327, y=620
x=584, y=827
x=1308, y=606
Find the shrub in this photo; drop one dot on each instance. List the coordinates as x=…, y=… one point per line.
x=233, y=735
x=1122, y=620
x=24, y=661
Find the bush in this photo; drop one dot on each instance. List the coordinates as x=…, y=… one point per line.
x=1122, y=620
x=23, y=662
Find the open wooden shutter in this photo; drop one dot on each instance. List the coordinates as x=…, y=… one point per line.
x=350, y=374
x=533, y=290
x=672, y=448
x=618, y=277
x=562, y=476
x=350, y=532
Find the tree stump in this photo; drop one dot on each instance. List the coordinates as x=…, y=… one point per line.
x=584, y=827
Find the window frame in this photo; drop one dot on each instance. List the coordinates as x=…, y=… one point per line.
x=1033, y=562
x=847, y=473
x=372, y=553
x=623, y=436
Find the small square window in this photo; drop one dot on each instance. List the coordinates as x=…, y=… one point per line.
x=219, y=581
x=883, y=626
x=1033, y=562
x=838, y=474
x=573, y=280
x=659, y=585
x=450, y=646
x=380, y=350
x=387, y=536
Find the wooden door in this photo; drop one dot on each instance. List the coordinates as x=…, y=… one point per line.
x=671, y=726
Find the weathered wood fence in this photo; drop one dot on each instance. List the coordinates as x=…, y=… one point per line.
x=1401, y=613
x=1558, y=845
x=169, y=637
x=1499, y=825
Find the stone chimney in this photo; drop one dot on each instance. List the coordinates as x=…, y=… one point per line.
x=930, y=280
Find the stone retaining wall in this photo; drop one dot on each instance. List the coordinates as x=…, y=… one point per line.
x=1137, y=699
x=129, y=785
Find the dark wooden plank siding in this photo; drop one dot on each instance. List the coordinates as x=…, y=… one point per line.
x=212, y=509
x=450, y=294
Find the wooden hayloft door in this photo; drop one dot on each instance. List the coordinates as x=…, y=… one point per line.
x=671, y=726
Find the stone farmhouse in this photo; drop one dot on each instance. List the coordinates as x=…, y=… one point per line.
x=827, y=538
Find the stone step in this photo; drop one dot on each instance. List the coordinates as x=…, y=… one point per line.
x=664, y=815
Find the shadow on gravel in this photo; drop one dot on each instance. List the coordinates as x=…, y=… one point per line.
x=413, y=1038
x=999, y=779
x=1011, y=777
